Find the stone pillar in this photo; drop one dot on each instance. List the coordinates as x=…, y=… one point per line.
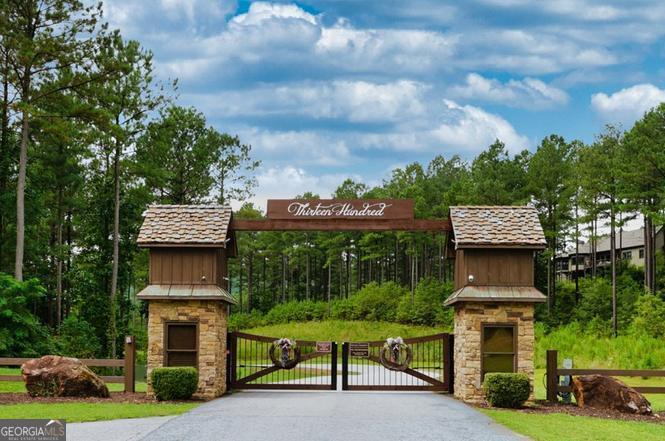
x=469, y=317
x=211, y=316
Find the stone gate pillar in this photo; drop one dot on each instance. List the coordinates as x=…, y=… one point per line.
x=494, y=294
x=188, y=301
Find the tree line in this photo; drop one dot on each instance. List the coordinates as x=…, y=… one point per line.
x=89, y=138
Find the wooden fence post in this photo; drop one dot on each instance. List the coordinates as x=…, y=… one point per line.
x=130, y=368
x=552, y=377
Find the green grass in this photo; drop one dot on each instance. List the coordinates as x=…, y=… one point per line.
x=558, y=426
x=19, y=386
x=82, y=411
x=343, y=330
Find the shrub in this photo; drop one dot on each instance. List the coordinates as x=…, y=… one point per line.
x=378, y=301
x=77, y=339
x=302, y=311
x=506, y=390
x=426, y=308
x=21, y=334
x=174, y=383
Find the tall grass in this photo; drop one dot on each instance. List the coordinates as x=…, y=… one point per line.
x=589, y=350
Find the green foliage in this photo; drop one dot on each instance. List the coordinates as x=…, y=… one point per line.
x=377, y=302
x=296, y=312
x=506, y=389
x=427, y=305
x=174, y=383
x=77, y=339
x=21, y=334
x=650, y=316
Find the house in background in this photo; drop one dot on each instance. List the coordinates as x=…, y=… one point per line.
x=629, y=246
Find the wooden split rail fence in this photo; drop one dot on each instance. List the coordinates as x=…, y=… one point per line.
x=554, y=372
x=129, y=372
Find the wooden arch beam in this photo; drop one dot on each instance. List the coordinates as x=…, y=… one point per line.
x=340, y=225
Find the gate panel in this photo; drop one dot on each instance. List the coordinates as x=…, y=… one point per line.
x=429, y=367
x=251, y=365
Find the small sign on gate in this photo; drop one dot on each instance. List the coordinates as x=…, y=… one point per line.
x=324, y=346
x=360, y=350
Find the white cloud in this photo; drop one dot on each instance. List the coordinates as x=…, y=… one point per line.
x=297, y=147
x=259, y=12
x=353, y=101
x=529, y=93
x=629, y=104
x=287, y=182
x=472, y=128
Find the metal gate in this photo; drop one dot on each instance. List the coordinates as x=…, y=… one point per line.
x=260, y=362
x=411, y=364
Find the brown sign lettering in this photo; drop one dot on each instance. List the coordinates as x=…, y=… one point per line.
x=359, y=350
x=323, y=346
x=340, y=209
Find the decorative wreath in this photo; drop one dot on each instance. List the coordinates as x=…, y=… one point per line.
x=289, y=353
x=395, y=354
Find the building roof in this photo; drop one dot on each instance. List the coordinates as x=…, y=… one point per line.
x=626, y=240
x=497, y=226
x=193, y=225
x=186, y=292
x=471, y=293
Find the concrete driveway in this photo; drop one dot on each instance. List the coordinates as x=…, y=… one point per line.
x=308, y=416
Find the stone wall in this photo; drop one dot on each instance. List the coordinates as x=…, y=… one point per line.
x=211, y=316
x=469, y=316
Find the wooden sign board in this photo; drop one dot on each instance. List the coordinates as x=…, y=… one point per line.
x=324, y=346
x=377, y=209
x=360, y=350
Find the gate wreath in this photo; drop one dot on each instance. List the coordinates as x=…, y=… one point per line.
x=391, y=351
x=284, y=361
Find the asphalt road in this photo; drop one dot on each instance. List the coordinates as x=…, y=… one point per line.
x=310, y=416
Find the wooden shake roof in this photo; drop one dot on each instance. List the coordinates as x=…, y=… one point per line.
x=187, y=225
x=497, y=227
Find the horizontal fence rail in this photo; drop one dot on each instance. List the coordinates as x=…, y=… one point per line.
x=129, y=373
x=554, y=372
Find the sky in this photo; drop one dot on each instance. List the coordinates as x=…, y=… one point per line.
x=326, y=90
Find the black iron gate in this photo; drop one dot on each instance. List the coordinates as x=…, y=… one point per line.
x=421, y=363
x=259, y=362
x=412, y=364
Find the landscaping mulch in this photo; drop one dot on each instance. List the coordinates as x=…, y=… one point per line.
x=116, y=397
x=544, y=407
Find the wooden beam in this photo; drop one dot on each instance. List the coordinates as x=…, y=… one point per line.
x=339, y=225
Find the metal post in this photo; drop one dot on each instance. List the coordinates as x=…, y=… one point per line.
x=448, y=362
x=552, y=377
x=333, y=366
x=345, y=365
x=130, y=368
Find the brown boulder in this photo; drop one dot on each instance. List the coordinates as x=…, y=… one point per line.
x=604, y=392
x=57, y=376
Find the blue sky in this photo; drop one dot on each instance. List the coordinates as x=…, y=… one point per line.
x=325, y=90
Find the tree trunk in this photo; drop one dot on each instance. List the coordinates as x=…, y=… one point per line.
x=329, y=283
x=577, y=253
x=613, y=267
x=20, y=196
x=307, y=265
x=250, y=284
x=58, y=264
x=116, y=245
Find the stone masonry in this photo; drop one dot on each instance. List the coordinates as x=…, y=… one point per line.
x=469, y=316
x=211, y=316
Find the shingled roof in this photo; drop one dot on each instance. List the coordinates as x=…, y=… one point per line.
x=202, y=225
x=496, y=226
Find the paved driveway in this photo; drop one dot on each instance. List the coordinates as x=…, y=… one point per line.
x=309, y=416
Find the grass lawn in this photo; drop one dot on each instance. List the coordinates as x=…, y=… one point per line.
x=343, y=330
x=559, y=426
x=82, y=411
x=19, y=386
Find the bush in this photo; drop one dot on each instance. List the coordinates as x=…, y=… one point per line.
x=427, y=308
x=174, y=383
x=377, y=302
x=506, y=390
x=302, y=311
x=21, y=334
x=77, y=339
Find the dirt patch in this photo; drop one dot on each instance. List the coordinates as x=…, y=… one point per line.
x=544, y=407
x=116, y=397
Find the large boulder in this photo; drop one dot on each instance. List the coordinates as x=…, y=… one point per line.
x=604, y=392
x=57, y=376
